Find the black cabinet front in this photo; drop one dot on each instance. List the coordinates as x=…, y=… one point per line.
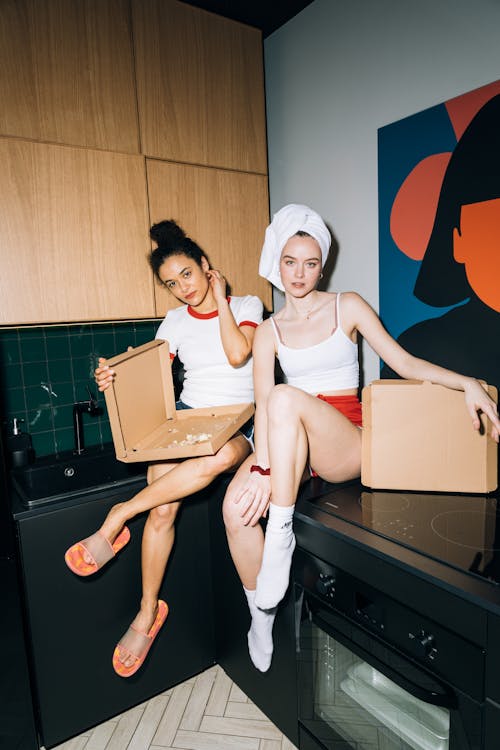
x=75, y=623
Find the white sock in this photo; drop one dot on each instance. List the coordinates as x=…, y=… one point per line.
x=279, y=544
x=260, y=635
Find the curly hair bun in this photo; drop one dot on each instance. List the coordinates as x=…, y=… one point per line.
x=167, y=234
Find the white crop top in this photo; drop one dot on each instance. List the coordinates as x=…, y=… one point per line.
x=331, y=365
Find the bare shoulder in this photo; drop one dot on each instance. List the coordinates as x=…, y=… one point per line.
x=356, y=313
x=352, y=299
x=264, y=338
x=264, y=331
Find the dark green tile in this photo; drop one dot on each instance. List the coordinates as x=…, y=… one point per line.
x=9, y=334
x=43, y=443
x=10, y=350
x=63, y=394
x=63, y=416
x=59, y=371
x=81, y=345
x=33, y=349
x=124, y=338
x=92, y=434
x=40, y=420
x=144, y=333
x=35, y=373
x=36, y=398
x=44, y=370
x=104, y=329
x=104, y=344
x=12, y=377
x=93, y=362
x=83, y=368
x=14, y=402
x=33, y=332
x=58, y=348
x=64, y=439
x=57, y=331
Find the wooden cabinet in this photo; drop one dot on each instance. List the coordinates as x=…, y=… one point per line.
x=225, y=212
x=67, y=73
x=200, y=86
x=90, y=91
x=74, y=226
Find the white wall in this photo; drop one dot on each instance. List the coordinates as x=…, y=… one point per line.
x=336, y=73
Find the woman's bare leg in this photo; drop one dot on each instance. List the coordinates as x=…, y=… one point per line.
x=170, y=482
x=246, y=544
x=159, y=531
x=157, y=543
x=300, y=427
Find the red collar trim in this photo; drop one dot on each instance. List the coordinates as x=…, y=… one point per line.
x=204, y=316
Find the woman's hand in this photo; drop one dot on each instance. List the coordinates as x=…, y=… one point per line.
x=103, y=375
x=477, y=400
x=218, y=285
x=252, y=492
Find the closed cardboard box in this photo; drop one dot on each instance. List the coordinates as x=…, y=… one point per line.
x=144, y=422
x=419, y=436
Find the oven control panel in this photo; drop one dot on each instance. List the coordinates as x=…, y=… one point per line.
x=393, y=624
x=325, y=585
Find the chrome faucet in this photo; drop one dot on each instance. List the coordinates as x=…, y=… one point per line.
x=79, y=408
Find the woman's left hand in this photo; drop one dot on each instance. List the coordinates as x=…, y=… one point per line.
x=218, y=284
x=477, y=400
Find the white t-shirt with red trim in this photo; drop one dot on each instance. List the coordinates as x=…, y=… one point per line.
x=209, y=379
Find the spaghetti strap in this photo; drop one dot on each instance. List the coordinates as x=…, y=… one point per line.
x=276, y=330
x=337, y=311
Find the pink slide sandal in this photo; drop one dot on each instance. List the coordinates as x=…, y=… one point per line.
x=136, y=644
x=98, y=548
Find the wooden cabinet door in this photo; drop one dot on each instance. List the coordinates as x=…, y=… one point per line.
x=67, y=73
x=226, y=213
x=74, y=227
x=200, y=86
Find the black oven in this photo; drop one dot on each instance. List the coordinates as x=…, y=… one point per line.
x=376, y=675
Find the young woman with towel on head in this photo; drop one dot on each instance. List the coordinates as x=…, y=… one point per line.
x=313, y=422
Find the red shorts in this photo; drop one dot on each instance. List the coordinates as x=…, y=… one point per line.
x=349, y=406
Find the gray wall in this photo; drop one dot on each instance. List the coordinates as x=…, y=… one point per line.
x=339, y=71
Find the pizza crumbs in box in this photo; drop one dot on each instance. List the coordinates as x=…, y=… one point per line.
x=144, y=422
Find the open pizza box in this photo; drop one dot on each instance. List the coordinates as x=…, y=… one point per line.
x=144, y=422
x=419, y=436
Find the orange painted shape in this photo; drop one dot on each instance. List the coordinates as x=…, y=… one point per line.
x=477, y=246
x=414, y=208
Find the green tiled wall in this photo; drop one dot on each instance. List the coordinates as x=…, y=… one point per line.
x=45, y=370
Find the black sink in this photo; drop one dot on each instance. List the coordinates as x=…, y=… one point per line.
x=55, y=477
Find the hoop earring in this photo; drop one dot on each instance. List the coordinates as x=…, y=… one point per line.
x=321, y=276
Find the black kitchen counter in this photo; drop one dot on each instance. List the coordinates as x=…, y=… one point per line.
x=420, y=580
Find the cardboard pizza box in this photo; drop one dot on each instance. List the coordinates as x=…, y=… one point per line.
x=144, y=422
x=419, y=436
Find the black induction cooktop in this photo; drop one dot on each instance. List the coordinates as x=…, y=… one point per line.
x=461, y=531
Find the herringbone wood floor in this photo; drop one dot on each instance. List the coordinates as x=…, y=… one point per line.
x=208, y=712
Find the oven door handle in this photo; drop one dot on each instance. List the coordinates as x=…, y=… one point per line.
x=446, y=699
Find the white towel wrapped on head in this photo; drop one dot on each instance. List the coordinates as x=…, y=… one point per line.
x=288, y=221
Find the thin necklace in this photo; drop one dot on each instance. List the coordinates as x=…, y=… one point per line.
x=309, y=312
